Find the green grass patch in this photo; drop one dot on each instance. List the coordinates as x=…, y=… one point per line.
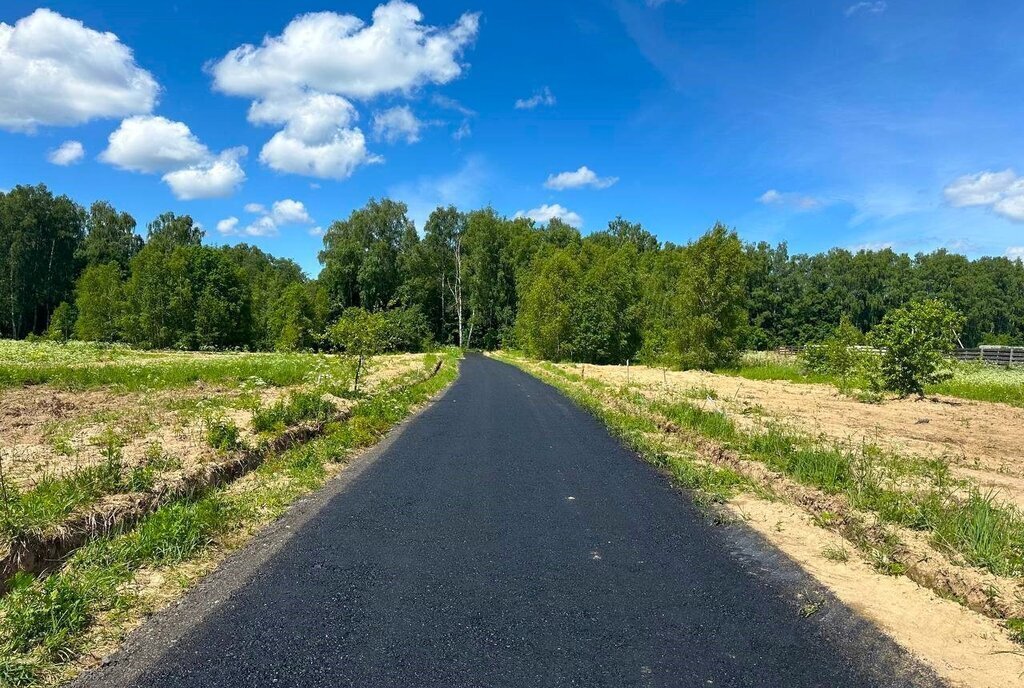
x=299, y=407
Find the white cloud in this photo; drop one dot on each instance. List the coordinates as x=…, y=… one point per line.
x=153, y=144
x=794, y=200
x=303, y=78
x=872, y=246
x=68, y=153
x=1015, y=253
x=156, y=145
x=339, y=53
x=317, y=231
x=395, y=124
x=228, y=225
x=582, y=177
x=55, y=71
x=289, y=212
x=336, y=157
x=464, y=131
x=1003, y=192
x=281, y=213
x=873, y=7
x=546, y=213
x=215, y=178
x=542, y=97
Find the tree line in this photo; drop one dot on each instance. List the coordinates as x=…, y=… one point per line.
x=475, y=279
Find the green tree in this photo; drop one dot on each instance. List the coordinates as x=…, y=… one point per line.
x=544, y=327
x=361, y=256
x=359, y=335
x=915, y=341
x=62, y=323
x=110, y=237
x=709, y=303
x=40, y=237
x=100, y=301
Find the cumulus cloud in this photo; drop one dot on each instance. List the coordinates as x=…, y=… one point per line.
x=68, y=153
x=339, y=53
x=546, y=213
x=153, y=144
x=303, y=79
x=582, y=177
x=395, y=124
x=228, y=225
x=289, y=212
x=55, y=71
x=157, y=145
x=542, y=97
x=213, y=178
x=873, y=7
x=281, y=214
x=1002, y=192
x=793, y=200
x=1015, y=253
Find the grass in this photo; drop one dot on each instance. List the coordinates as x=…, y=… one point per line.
x=46, y=623
x=299, y=407
x=974, y=381
x=79, y=365
x=912, y=493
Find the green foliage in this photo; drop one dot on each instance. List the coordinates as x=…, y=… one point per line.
x=62, y=323
x=100, y=299
x=222, y=434
x=708, y=307
x=299, y=407
x=915, y=339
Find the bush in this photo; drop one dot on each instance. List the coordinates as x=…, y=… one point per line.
x=62, y=323
x=407, y=330
x=916, y=339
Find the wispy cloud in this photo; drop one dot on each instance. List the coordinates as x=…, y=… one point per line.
x=875, y=7
x=542, y=97
x=791, y=200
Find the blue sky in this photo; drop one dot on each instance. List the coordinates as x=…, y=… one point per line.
x=821, y=123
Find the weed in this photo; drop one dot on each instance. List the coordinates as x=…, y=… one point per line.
x=298, y=408
x=836, y=554
x=223, y=435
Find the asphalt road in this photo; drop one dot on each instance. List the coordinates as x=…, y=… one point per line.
x=503, y=538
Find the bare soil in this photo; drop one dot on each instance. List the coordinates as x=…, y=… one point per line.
x=45, y=431
x=981, y=441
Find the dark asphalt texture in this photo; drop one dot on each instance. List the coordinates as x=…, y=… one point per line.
x=503, y=538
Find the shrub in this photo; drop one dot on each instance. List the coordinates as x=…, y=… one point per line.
x=915, y=339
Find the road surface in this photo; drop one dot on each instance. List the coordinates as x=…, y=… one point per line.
x=503, y=538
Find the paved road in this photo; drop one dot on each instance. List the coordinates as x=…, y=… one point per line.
x=502, y=538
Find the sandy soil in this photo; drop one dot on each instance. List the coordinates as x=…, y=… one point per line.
x=965, y=648
x=981, y=441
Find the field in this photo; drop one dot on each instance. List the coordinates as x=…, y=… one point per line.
x=124, y=474
x=908, y=510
